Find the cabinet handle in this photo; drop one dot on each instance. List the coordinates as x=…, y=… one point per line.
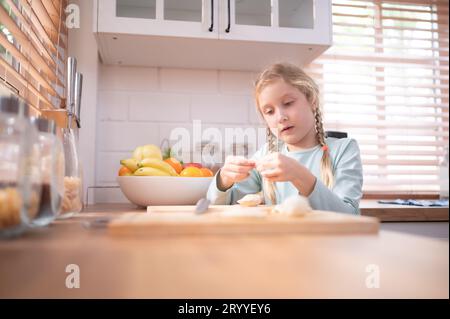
x=227, y=30
x=211, y=28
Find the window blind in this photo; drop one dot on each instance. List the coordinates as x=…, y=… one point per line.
x=33, y=47
x=385, y=82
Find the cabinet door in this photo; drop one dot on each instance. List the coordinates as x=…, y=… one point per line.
x=187, y=18
x=285, y=21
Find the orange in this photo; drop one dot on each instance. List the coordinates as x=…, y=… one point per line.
x=125, y=171
x=206, y=172
x=191, y=172
x=175, y=164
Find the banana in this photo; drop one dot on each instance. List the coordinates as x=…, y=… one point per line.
x=158, y=164
x=150, y=171
x=137, y=153
x=131, y=163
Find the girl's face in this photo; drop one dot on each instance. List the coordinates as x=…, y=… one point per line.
x=288, y=114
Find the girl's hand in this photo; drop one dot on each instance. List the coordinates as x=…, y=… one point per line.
x=276, y=167
x=235, y=169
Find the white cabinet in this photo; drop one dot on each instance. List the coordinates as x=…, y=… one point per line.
x=185, y=18
x=225, y=34
x=283, y=21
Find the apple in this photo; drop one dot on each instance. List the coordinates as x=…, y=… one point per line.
x=198, y=165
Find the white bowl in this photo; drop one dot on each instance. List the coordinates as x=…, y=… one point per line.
x=164, y=190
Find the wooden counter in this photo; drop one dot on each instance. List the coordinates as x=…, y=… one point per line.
x=257, y=266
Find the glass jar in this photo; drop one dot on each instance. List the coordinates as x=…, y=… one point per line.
x=20, y=184
x=72, y=202
x=52, y=172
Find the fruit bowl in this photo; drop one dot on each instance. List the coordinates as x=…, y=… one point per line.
x=163, y=190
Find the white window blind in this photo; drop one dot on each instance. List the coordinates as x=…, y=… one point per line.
x=33, y=45
x=385, y=83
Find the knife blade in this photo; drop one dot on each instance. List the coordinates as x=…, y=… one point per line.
x=77, y=97
x=202, y=206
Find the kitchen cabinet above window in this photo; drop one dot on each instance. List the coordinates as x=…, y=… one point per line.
x=225, y=34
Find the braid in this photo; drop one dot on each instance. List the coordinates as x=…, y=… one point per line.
x=270, y=186
x=319, y=126
x=326, y=170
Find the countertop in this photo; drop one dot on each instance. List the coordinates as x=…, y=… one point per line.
x=242, y=266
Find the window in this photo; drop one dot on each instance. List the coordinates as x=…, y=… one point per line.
x=385, y=82
x=33, y=46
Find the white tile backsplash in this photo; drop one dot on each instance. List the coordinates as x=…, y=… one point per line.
x=165, y=129
x=110, y=163
x=160, y=107
x=125, y=136
x=254, y=116
x=188, y=81
x=113, y=105
x=128, y=78
x=220, y=108
x=236, y=82
x=108, y=195
x=138, y=106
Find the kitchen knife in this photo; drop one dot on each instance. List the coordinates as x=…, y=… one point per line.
x=202, y=206
x=77, y=97
x=71, y=71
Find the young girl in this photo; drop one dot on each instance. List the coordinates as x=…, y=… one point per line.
x=297, y=158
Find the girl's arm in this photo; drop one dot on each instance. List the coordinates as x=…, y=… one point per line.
x=230, y=196
x=347, y=189
x=250, y=185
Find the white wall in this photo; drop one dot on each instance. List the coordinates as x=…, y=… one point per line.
x=139, y=106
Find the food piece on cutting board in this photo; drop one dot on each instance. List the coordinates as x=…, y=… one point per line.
x=251, y=200
x=293, y=206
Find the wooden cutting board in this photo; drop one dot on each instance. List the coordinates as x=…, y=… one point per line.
x=234, y=219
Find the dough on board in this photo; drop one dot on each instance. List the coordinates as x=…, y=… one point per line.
x=293, y=206
x=250, y=200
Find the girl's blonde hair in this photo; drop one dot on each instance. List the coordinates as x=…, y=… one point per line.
x=296, y=77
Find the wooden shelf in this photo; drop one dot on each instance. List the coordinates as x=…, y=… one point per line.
x=402, y=213
x=59, y=116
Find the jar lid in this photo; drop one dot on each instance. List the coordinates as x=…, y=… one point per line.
x=15, y=105
x=44, y=125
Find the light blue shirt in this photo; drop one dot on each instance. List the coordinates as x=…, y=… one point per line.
x=344, y=197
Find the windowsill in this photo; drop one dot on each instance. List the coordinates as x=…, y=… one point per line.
x=402, y=213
